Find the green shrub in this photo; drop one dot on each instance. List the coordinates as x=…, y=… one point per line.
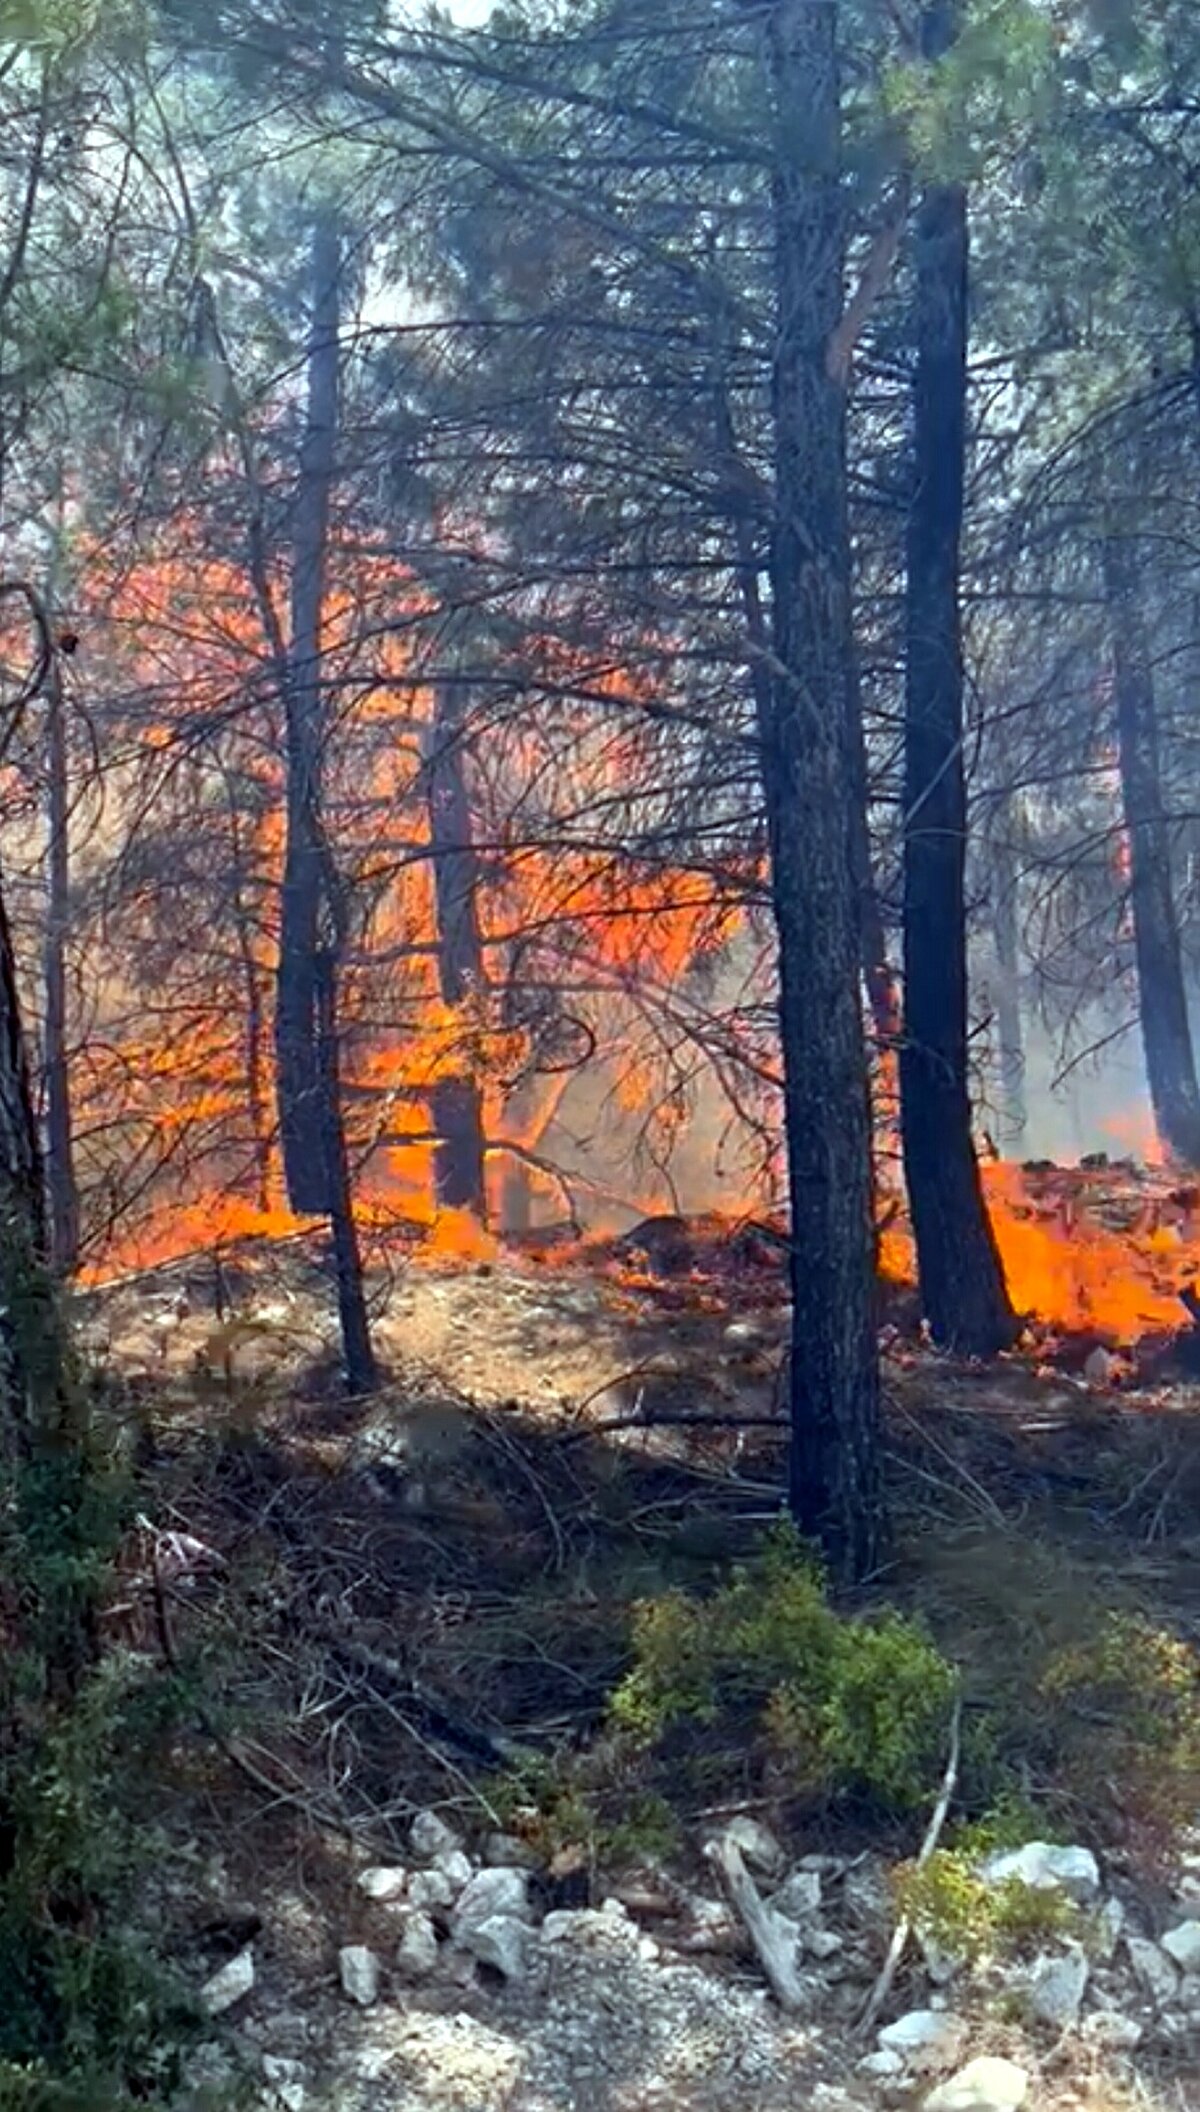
x=948, y=1901
x=845, y=1705
x=88, y=2018
x=1125, y=1711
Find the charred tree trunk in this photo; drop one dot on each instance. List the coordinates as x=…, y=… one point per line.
x=1166, y=1029
x=963, y=1291
x=456, y=1101
x=60, y=1167
x=810, y=787
x=358, y=1355
x=297, y=1031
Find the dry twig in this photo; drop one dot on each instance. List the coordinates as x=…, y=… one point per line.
x=891, y=1964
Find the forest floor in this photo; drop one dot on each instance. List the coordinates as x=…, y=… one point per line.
x=399, y=1602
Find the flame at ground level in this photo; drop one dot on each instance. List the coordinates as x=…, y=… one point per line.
x=1081, y=1254
x=1104, y=1251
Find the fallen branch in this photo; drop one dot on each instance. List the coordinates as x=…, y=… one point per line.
x=903, y=1929
x=774, y=1938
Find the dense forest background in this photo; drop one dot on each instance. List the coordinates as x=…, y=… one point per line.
x=600, y=617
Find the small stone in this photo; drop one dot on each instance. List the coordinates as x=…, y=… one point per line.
x=280, y=2068
x=1109, y=2029
x=1153, y=1970
x=1110, y=1922
x=358, y=1971
x=430, y=1836
x=1189, y=1993
x=1056, y=1988
x=742, y=1334
x=417, y=1950
x=988, y=2084
x=286, y=2080
x=501, y=1941
x=1047, y=1868
x=884, y=2063
x=456, y=1867
x=505, y=1852
x=822, y=1943
x=228, y=1986
x=799, y=1896
x=493, y=1892
x=757, y=1844
x=430, y=1888
x=383, y=1881
x=1182, y=1946
x=926, y=2039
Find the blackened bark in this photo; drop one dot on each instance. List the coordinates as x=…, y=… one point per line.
x=809, y=781
x=1166, y=1030
x=963, y=1291
x=456, y=1101
x=60, y=1168
x=358, y=1355
x=297, y=1056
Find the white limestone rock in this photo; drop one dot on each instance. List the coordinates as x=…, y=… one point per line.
x=1153, y=1970
x=456, y=1867
x=417, y=1950
x=987, y=2084
x=358, y=1971
x=1045, y=1867
x=431, y=1836
x=1182, y=1946
x=383, y=1881
x=925, y=2039
x=1056, y=1988
x=231, y=1984
x=429, y=1888
x=502, y=1891
x=501, y=1941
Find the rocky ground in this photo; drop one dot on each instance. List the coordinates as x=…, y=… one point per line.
x=366, y=1936
x=441, y=1984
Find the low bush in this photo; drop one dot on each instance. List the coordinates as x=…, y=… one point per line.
x=841, y=1705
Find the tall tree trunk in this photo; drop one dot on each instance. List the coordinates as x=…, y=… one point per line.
x=358, y=1355
x=809, y=781
x=963, y=1291
x=1166, y=1029
x=297, y=1057
x=60, y=1168
x=456, y=1101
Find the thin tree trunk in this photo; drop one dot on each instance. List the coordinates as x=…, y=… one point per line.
x=963, y=1291
x=1166, y=1029
x=358, y=1355
x=60, y=1169
x=810, y=789
x=456, y=1101
x=298, y=1081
